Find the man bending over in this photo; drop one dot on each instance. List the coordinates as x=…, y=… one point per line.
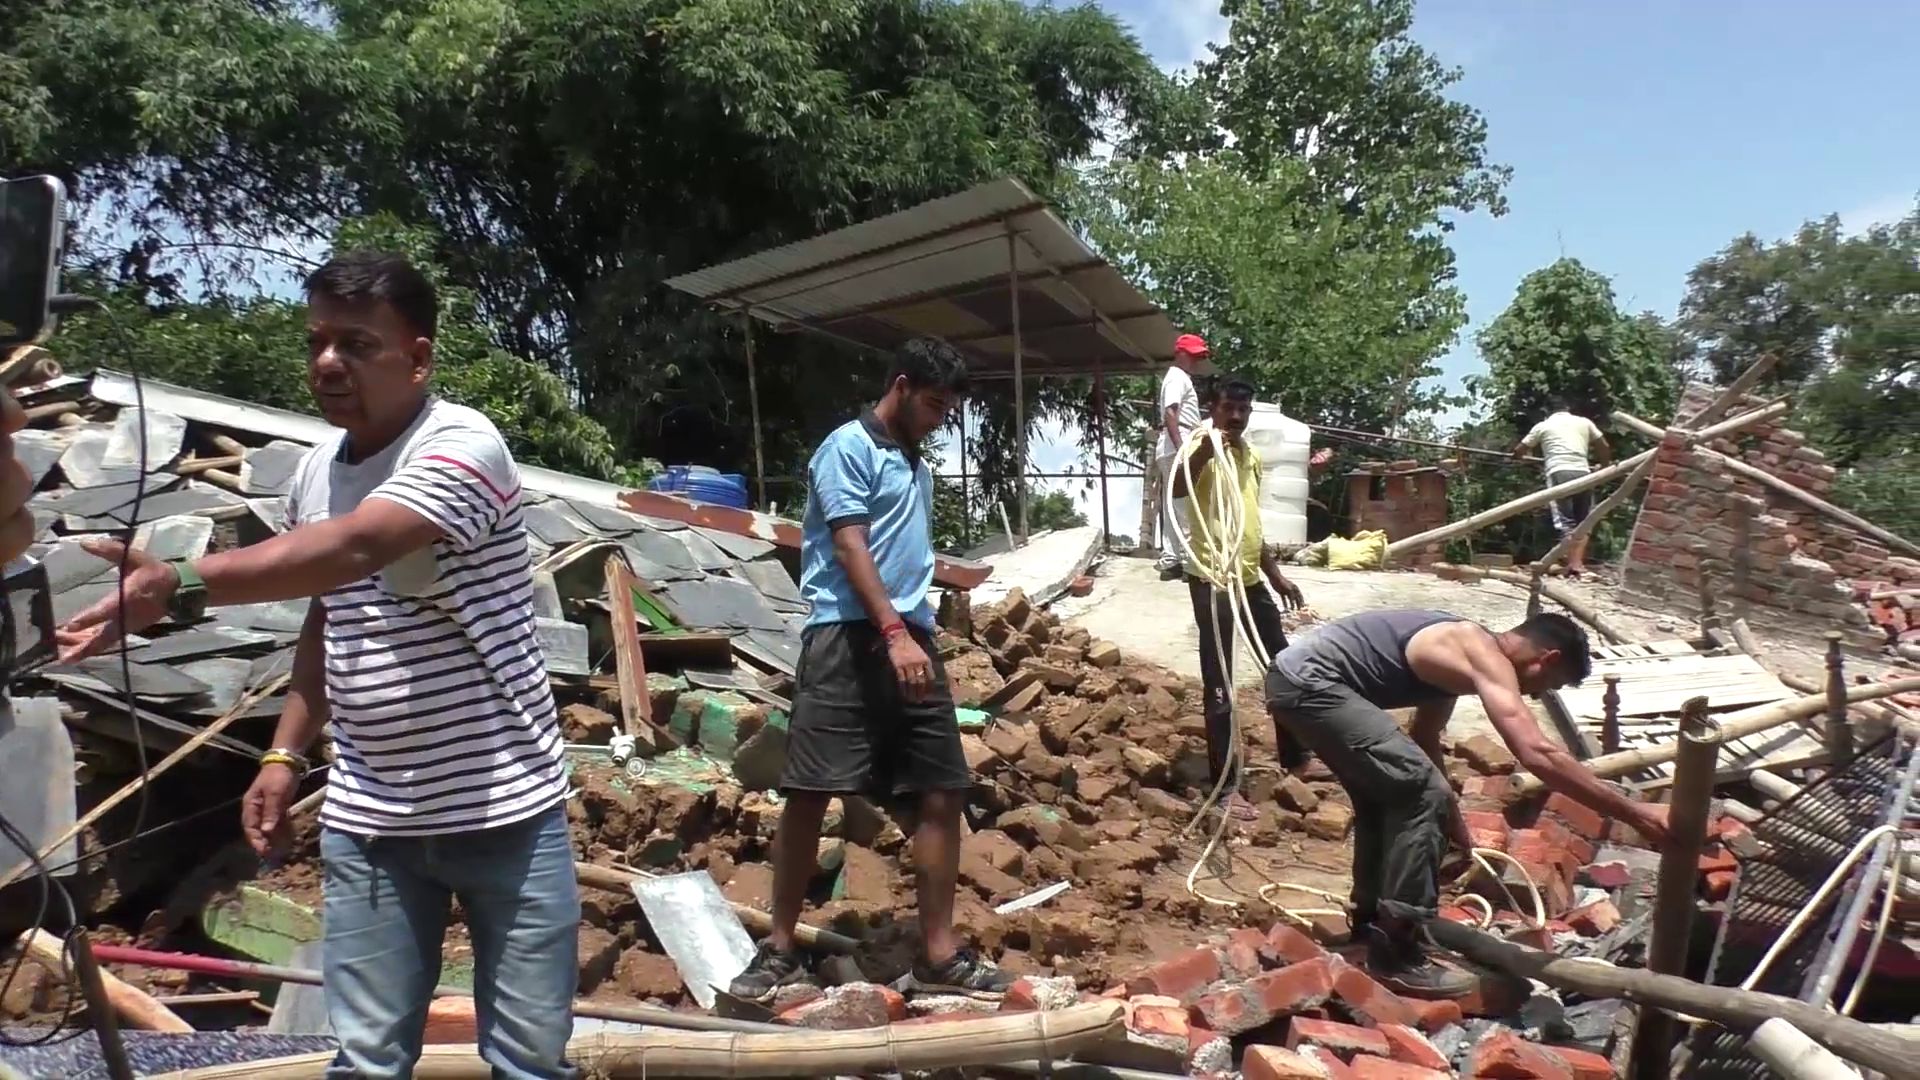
x=1330, y=692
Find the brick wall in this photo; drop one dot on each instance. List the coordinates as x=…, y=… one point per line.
x=1401, y=499
x=1773, y=560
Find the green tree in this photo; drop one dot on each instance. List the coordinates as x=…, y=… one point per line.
x=1047, y=510
x=256, y=350
x=1290, y=201
x=569, y=156
x=1563, y=335
x=1839, y=309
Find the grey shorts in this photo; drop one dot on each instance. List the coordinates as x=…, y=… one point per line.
x=1570, y=511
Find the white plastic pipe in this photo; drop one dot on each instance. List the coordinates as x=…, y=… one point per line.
x=1786, y=1050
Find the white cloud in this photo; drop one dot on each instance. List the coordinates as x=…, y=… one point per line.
x=1882, y=211
x=1174, y=32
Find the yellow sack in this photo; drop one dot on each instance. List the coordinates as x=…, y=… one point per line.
x=1365, y=551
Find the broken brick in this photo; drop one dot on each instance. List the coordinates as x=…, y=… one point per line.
x=1154, y=1014
x=1586, y=1064
x=1236, y=1010
x=1369, y=1002
x=1276, y=1063
x=1594, y=919
x=1496, y=996
x=1488, y=829
x=1404, y=1044
x=1719, y=884
x=1435, y=1015
x=1583, y=820
x=1286, y=945
x=1717, y=858
x=1379, y=1068
x=1182, y=976
x=1241, y=952
x=1505, y=1056
x=1343, y=1039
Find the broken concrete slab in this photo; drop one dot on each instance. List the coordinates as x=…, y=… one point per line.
x=1043, y=568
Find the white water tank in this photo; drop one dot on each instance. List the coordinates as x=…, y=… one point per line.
x=1284, y=445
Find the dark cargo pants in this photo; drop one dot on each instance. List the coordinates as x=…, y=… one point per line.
x=1214, y=607
x=1402, y=803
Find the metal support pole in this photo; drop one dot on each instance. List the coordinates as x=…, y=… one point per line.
x=1839, y=728
x=106, y=1025
x=1100, y=447
x=1610, y=715
x=966, y=496
x=1867, y=883
x=1019, y=379
x=1673, y=903
x=753, y=396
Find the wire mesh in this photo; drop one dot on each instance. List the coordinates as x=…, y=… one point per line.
x=1803, y=840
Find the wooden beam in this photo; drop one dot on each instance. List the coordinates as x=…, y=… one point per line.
x=1738, y=1010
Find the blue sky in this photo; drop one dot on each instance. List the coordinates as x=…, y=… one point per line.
x=1643, y=135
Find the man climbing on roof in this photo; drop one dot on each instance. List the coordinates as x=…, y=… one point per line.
x=1566, y=440
x=872, y=712
x=1218, y=489
x=1331, y=692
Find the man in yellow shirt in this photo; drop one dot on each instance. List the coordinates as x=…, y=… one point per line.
x=1213, y=566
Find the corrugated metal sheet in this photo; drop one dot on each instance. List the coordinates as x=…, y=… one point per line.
x=117, y=389
x=944, y=268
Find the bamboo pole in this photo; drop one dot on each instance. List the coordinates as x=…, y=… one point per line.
x=1521, y=505
x=1770, y=411
x=240, y=708
x=1735, y=390
x=1574, y=604
x=1737, y=1010
x=997, y=1039
x=135, y=1006
x=1736, y=726
x=1673, y=906
x=100, y=1008
x=1839, y=732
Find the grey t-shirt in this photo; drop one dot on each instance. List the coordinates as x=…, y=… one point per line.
x=1367, y=653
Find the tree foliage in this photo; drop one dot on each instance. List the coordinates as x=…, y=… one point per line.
x=568, y=157
x=1842, y=311
x=1562, y=335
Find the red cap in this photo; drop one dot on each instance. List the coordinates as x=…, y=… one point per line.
x=1190, y=343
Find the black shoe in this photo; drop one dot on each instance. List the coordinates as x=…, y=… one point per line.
x=966, y=973
x=1401, y=964
x=768, y=973
x=1362, y=932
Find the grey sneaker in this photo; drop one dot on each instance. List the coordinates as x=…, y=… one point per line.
x=967, y=973
x=768, y=972
x=1401, y=964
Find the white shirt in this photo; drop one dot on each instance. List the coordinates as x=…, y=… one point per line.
x=443, y=719
x=1176, y=392
x=1564, y=441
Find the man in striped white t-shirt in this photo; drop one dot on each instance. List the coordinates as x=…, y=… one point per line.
x=419, y=646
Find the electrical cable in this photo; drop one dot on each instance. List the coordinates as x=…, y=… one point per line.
x=49, y=885
x=67, y=304
x=1228, y=509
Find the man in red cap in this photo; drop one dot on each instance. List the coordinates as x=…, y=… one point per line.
x=1179, y=416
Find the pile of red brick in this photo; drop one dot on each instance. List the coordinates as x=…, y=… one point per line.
x=1893, y=605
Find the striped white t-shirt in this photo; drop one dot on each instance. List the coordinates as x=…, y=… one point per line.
x=443, y=720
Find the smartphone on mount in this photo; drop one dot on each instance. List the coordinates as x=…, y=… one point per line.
x=33, y=215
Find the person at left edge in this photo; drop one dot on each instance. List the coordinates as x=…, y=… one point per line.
x=419, y=646
x=872, y=712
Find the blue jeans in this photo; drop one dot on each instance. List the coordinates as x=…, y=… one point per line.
x=387, y=904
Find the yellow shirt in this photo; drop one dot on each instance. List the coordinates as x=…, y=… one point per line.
x=1205, y=559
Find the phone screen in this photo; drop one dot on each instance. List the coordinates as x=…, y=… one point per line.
x=31, y=213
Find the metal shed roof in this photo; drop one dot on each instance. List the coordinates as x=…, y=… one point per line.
x=943, y=268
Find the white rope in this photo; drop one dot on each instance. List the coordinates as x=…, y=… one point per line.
x=1228, y=509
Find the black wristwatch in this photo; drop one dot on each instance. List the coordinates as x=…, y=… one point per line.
x=189, y=601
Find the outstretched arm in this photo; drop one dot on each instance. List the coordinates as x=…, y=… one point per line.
x=1469, y=656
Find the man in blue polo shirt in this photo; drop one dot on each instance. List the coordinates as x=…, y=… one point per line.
x=872, y=712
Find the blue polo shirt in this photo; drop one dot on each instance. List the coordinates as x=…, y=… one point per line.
x=861, y=476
